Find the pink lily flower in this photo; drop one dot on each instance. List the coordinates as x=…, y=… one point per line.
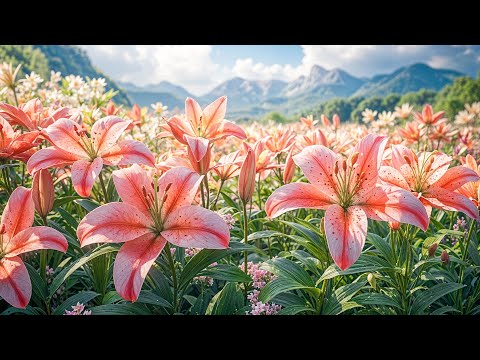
x=347, y=189
x=17, y=236
x=471, y=189
x=148, y=217
x=199, y=128
x=429, y=178
x=13, y=144
x=88, y=155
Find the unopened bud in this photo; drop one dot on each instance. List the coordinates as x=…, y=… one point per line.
x=43, y=192
x=432, y=249
x=445, y=257
x=372, y=281
x=394, y=225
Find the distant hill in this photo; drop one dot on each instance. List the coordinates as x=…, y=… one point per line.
x=68, y=59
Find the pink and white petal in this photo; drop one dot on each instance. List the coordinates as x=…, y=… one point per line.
x=36, y=238
x=19, y=212
x=63, y=134
x=456, y=177
x=198, y=146
x=113, y=223
x=23, y=142
x=214, y=112
x=317, y=163
x=371, y=149
x=451, y=201
x=389, y=203
x=399, y=152
x=7, y=132
x=225, y=128
x=346, y=231
x=184, y=186
x=471, y=163
x=84, y=174
x=128, y=152
x=50, y=157
x=180, y=127
x=15, y=284
x=17, y=116
x=194, y=226
x=130, y=183
x=392, y=176
x=193, y=112
x=296, y=196
x=106, y=131
x=439, y=166
x=133, y=262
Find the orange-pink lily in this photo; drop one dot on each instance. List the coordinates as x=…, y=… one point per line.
x=428, y=177
x=17, y=236
x=347, y=189
x=147, y=218
x=89, y=154
x=13, y=144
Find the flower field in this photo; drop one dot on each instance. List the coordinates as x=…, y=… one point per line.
x=109, y=209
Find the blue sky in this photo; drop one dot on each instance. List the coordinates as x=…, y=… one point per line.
x=199, y=68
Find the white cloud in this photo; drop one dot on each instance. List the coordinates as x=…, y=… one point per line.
x=192, y=67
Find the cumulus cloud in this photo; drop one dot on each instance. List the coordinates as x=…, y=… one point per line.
x=192, y=67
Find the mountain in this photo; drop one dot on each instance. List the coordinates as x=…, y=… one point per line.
x=242, y=92
x=325, y=83
x=408, y=79
x=164, y=92
x=70, y=59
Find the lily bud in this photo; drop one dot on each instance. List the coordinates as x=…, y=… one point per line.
x=246, y=180
x=43, y=192
x=394, y=225
x=202, y=166
x=322, y=225
x=289, y=170
x=445, y=257
x=432, y=249
x=372, y=281
x=325, y=120
x=336, y=121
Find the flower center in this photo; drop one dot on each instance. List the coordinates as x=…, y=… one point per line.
x=155, y=204
x=348, y=179
x=86, y=143
x=421, y=170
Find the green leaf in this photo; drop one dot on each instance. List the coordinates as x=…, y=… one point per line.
x=444, y=310
x=149, y=297
x=426, y=298
x=382, y=246
x=68, y=218
x=227, y=273
x=39, y=286
x=340, y=299
x=87, y=204
x=279, y=286
x=160, y=283
x=111, y=297
x=310, y=262
x=286, y=268
x=70, y=269
x=295, y=309
x=120, y=309
x=27, y=311
x=377, y=299
x=365, y=263
x=263, y=234
x=205, y=258
x=227, y=302
x=64, y=200
x=82, y=297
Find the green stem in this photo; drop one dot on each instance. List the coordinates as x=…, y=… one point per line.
x=471, y=230
x=207, y=191
x=43, y=256
x=218, y=193
x=6, y=180
x=202, y=192
x=104, y=189
x=259, y=193
x=174, y=274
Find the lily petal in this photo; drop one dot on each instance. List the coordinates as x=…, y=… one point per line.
x=317, y=163
x=19, y=212
x=198, y=146
x=50, y=157
x=84, y=174
x=184, y=186
x=193, y=112
x=451, y=201
x=194, y=226
x=214, y=112
x=346, y=231
x=296, y=196
x=106, y=131
x=15, y=284
x=63, y=134
x=388, y=203
x=133, y=262
x=456, y=177
x=179, y=127
x=224, y=129
x=129, y=152
x=392, y=176
x=112, y=223
x=129, y=183
x=36, y=238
